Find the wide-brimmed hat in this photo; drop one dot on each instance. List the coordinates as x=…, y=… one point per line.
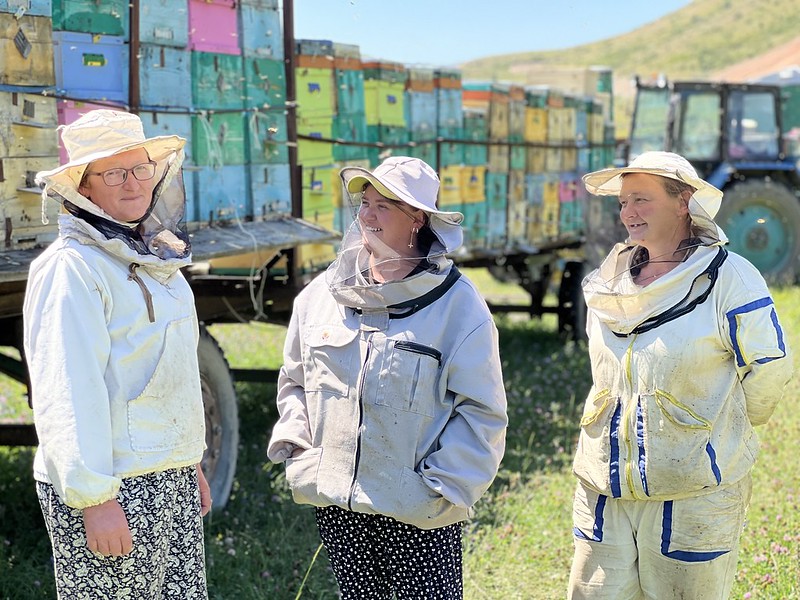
x=102, y=133
x=608, y=182
x=402, y=178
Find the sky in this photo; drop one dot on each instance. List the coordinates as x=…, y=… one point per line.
x=441, y=33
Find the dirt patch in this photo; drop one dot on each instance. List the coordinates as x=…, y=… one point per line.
x=781, y=57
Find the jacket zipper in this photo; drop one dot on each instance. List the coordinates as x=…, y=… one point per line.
x=629, y=414
x=419, y=349
x=361, y=380
x=148, y=297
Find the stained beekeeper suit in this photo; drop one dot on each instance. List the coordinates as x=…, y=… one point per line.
x=682, y=371
x=393, y=389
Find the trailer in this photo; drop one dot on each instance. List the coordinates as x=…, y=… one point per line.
x=269, y=122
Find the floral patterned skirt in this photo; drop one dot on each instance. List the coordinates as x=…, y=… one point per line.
x=168, y=557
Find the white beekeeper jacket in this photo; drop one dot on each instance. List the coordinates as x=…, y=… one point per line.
x=682, y=369
x=400, y=411
x=111, y=344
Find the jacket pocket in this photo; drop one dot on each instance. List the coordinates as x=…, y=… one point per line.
x=169, y=412
x=301, y=475
x=416, y=503
x=676, y=442
x=330, y=365
x=409, y=373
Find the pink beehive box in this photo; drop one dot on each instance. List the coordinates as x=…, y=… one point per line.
x=70, y=111
x=214, y=26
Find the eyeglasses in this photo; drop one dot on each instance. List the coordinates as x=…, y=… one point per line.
x=114, y=177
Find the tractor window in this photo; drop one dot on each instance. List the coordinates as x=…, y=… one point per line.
x=752, y=125
x=650, y=121
x=697, y=126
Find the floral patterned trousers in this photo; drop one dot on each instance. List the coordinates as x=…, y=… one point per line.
x=167, y=560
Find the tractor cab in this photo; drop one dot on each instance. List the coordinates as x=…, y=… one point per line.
x=732, y=135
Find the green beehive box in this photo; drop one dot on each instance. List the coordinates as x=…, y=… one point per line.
x=517, y=157
x=217, y=80
x=395, y=137
x=109, y=17
x=316, y=94
x=264, y=83
x=425, y=152
x=218, y=139
x=452, y=153
x=267, y=137
x=351, y=128
x=384, y=103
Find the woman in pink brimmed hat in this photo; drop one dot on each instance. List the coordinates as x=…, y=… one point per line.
x=688, y=356
x=110, y=341
x=391, y=400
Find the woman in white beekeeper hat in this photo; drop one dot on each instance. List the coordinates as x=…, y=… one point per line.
x=391, y=399
x=687, y=357
x=110, y=341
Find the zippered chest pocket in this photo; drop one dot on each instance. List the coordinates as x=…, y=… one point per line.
x=408, y=376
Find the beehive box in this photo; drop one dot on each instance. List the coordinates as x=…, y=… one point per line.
x=28, y=125
x=21, y=203
x=26, y=50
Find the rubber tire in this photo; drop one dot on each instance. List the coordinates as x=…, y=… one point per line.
x=743, y=205
x=571, y=304
x=222, y=419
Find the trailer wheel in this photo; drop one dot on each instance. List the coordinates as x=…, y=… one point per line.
x=762, y=222
x=571, y=305
x=222, y=421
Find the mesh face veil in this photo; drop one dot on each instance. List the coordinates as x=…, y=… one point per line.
x=375, y=248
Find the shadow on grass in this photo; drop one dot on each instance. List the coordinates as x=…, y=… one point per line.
x=263, y=544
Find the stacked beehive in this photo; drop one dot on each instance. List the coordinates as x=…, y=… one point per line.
x=316, y=106
x=420, y=114
x=28, y=139
x=213, y=71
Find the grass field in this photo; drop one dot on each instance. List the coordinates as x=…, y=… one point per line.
x=263, y=546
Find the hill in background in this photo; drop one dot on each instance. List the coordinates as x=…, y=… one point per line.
x=733, y=40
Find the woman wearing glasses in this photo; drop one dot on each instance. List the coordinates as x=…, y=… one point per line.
x=110, y=341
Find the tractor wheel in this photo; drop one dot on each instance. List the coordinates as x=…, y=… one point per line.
x=222, y=421
x=571, y=305
x=762, y=222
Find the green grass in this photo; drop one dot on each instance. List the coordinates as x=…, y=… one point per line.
x=262, y=545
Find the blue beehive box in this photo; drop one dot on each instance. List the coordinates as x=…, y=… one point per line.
x=260, y=32
x=420, y=110
x=165, y=78
x=34, y=8
x=450, y=109
x=91, y=67
x=270, y=189
x=164, y=22
x=163, y=123
x=222, y=194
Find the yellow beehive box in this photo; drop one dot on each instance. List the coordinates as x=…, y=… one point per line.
x=535, y=159
x=450, y=186
x=21, y=203
x=554, y=160
x=473, y=184
x=550, y=207
x=26, y=50
x=535, y=124
x=517, y=221
x=28, y=125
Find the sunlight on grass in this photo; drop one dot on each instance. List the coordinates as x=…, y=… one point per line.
x=519, y=545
